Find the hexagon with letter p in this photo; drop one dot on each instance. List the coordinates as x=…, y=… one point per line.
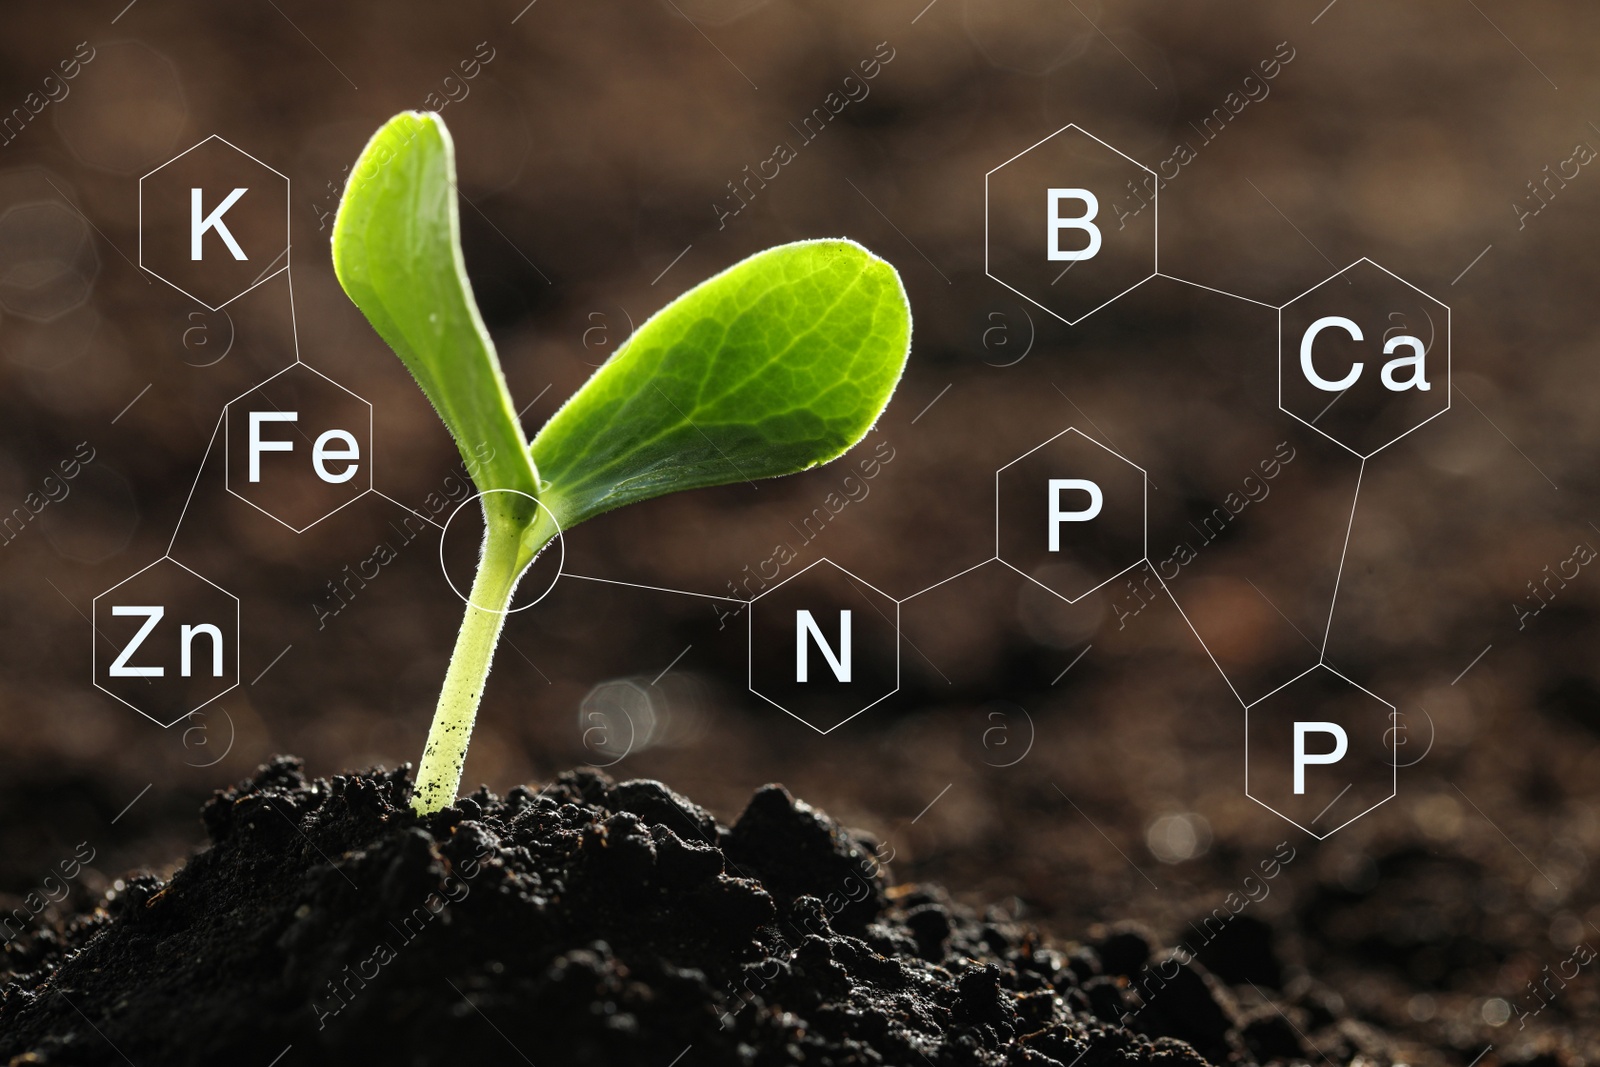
x=1070, y=500
x=1320, y=751
x=214, y=222
x=1070, y=224
x=1364, y=358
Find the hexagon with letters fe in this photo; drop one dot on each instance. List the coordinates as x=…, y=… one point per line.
x=1320, y=751
x=1364, y=358
x=299, y=446
x=166, y=641
x=1070, y=223
x=214, y=222
x=1073, y=501
x=824, y=645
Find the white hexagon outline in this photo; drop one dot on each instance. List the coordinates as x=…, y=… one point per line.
x=1449, y=358
x=227, y=472
x=1144, y=478
x=1155, y=205
x=1394, y=770
x=750, y=640
x=94, y=651
x=288, y=187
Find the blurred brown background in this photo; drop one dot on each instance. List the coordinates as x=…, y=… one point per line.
x=593, y=146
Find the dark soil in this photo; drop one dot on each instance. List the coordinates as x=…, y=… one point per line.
x=591, y=151
x=602, y=923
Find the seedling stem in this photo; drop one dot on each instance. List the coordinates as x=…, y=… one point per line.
x=513, y=538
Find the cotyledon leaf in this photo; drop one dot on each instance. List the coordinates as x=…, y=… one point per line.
x=781, y=362
x=397, y=252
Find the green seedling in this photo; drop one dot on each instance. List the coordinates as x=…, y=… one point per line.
x=779, y=363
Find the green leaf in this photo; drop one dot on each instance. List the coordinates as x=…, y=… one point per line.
x=777, y=364
x=397, y=252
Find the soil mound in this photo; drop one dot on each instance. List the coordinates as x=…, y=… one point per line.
x=594, y=922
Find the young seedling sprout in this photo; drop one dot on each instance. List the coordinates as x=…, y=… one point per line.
x=780, y=363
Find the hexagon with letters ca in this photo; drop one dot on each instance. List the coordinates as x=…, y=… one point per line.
x=1364, y=358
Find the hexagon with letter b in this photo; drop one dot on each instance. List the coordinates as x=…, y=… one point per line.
x=1070, y=224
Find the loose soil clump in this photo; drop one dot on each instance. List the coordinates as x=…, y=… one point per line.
x=594, y=922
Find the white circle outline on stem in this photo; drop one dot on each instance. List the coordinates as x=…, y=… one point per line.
x=560, y=540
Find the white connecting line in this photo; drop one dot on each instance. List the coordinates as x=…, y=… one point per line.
x=294, y=330
x=1225, y=679
x=1322, y=653
x=1344, y=553
x=196, y=484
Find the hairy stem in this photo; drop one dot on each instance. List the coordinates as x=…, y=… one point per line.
x=510, y=544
